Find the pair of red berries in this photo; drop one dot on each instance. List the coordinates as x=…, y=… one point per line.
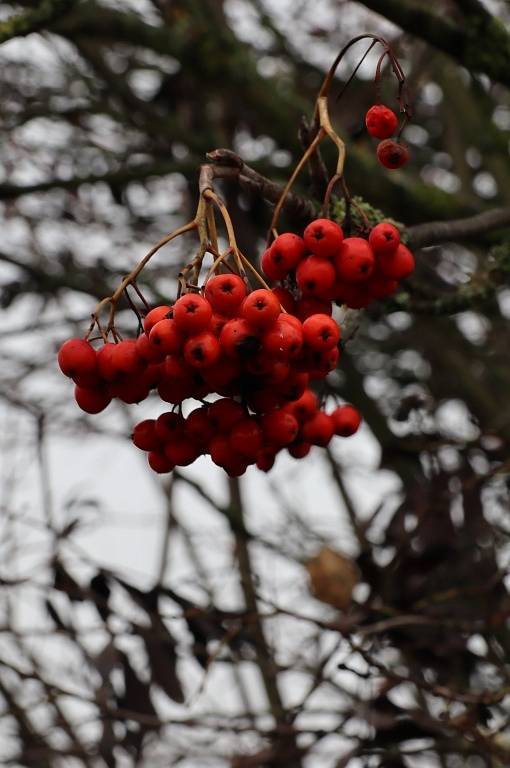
x=381, y=122
x=324, y=267
x=236, y=439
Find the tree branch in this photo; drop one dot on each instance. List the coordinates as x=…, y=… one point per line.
x=434, y=232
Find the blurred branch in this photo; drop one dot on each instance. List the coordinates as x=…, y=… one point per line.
x=34, y=20
x=434, y=232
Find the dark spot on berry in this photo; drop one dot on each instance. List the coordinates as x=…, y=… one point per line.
x=388, y=236
x=198, y=352
x=318, y=233
x=248, y=346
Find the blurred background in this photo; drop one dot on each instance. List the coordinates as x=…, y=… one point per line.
x=186, y=621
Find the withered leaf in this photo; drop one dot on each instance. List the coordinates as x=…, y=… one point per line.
x=332, y=578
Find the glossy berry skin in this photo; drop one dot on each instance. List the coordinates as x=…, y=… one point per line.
x=321, y=332
x=311, y=305
x=384, y=238
x=323, y=237
x=392, y=155
x=381, y=121
x=287, y=251
x=299, y=449
x=165, y=337
x=397, y=265
x=182, y=452
x=319, y=429
x=126, y=359
x=198, y=427
x=285, y=339
x=265, y=459
x=346, y=420
x=305, y=406
x=76, y=357
x=192, y=313
x=154, y=316
x=144, y=435
x=355, y=261
x=315, y=276
x=147, y=351
x=272, y=269
x=202, y=350
x=261, y=309
x=246, y=438
x=168, y=426
x=280, y=428
x=238, y=339
x=92, y=400
x=225, y=293
x=224, y=414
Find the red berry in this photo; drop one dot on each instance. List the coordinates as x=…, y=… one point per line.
x=222, y=374
x=225, y=293
x=294, y=386
x=398, y=264
x=285, y=339
x=315, y=276
x=168, y=426
x=264, y=401
x=384, y=238
x=355, y=261
x=144, y=435
x=300, y=449
x=238, y=339
x=159, y=462
x=76, y=357
x=130, y=390
x=175, y=391
x=265, y=459
x=305, y=406
x=165, y=337
x=198, y=426
x=381, y=121
x=286, y=252
x=280, y=428
x=311, y=305
x=125, y=359
x=246, y=438
x=321, y=332
x=392, y=155
x=148, y=351
x=319, y=429
x=261, y=309
x=92, y=400
x=236, y=467
x=323, y=237
x=285, y=299
x=354, y=295
x=175, y=368
x=217, y=323
x=272, y=269
x=380, y=286
x=182, y=451
x=225, y=413
x=192, y=313
x=105, y=362
x=221, y=451
x=202, y=350
x=154, y=316
x=346, y=420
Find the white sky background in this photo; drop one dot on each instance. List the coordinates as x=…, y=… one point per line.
x=123, y=529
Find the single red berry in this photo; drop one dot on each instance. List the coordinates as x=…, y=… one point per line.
x=384, y=238
x=321, y=332
x=305, y=406
x=271, y=269
x=92, y=400
x=261, y=309
x=285, y=299
x=130, y=390
x=144, y=435
x=280, y=428
x=76, y=357
x=397, y=265
x=311, y=305
x=182, y=451
x=225, y=413
x=392, y=155
x=192, y=313
x=165, y=337
x=246, y=438
x=202, y=350
x=148, y=351
x=285, y=339
x=299, y=449
x=355, y=261
x=323, y=237
x=319, y=429
x=286, y=253
x=346, y=420
x=238, y=339
x=159, y=462
x=154, y=316
x=105, y=362
x=236, y=467
x=198, y=426
x=125, y=359
x=221, y=451
x=176, y=391
x=265, y=459
x=315, y=276
x=225, y=293
x=381, y=121
x=168, y=426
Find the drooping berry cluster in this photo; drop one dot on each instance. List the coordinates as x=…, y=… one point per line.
x=323, y=267
x=227, y=342
x=381, y=122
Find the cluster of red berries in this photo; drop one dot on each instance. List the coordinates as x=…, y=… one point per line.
x=226, y=342
x=382, y=122
x=324, y=267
